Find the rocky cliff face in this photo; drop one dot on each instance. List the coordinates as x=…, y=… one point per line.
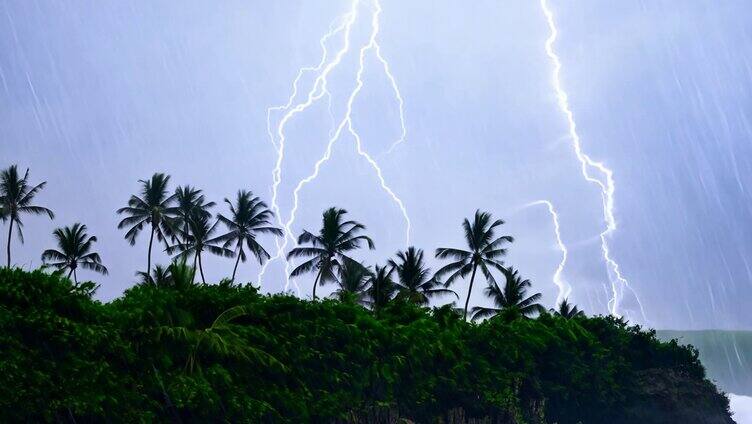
x=664, y=396
x=667, y=396
x=726, y=355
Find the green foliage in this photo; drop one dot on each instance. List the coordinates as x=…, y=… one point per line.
x=198, y=353
x=16, y=195
x=75, y=250
x=328, y=251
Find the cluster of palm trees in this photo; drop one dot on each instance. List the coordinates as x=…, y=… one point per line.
x=182, y=220
x=406, y=277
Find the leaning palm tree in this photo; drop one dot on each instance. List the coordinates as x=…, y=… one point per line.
x=74, y=250
x=16, y=196
x=189, y=202
x=152, y=208
x=512, y=297
x=249, y=216
x=217, y=340
x=484, y=250
x=200, y=240
x=353, y=282
x=568, y=310
x=414, y=282
x=328, y=250
x=381, y=288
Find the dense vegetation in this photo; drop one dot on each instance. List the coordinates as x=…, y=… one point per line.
x=172, y=349
x=197, y=352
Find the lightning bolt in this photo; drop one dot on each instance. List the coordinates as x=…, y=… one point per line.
x=318, y=90
x=605, y=182
x=564, y=288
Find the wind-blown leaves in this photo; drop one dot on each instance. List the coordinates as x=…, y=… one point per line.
x=219, y=339
x=249, y=217
x=484, y=252
x=16, y=195
x=512, y=297
x=567, y=310
x=75, y=251
x=381, y=288
x=153, y=208
x=415, y=284
x=328, y=250
x=199, y=241
x=353, y=281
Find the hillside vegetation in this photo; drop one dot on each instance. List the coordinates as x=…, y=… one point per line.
x=198, y=352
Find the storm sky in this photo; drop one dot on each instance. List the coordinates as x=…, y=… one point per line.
x=95, y=95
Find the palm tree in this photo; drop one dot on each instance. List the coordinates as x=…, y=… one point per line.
x=189, y=202
x=568, y=310
x=217, y=340
x=159, y=277
x=249, y=216
x=152, y=208
x=75, y=250
x=16, y=196
x=328, y=249
x=381, y=288
x=414, y=283
x=200, y=239
x=512, y=297
x=353, y=282
x=484, y=250
x=181, y=274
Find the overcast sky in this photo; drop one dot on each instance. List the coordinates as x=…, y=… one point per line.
x=95, y=95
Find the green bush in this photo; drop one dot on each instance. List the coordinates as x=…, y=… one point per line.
x=161, y=354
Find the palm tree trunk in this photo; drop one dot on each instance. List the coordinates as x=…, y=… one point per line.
x=75, y=278
x=236, y=264
x=69, y=273
x=469, y=291
x=195, y=266
x=148, y=261
x=201, y=268
x=316, y=282
x=10, y=233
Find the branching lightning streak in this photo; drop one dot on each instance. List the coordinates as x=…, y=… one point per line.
x=618, y=282
x=318, y=90
x=312, y=96
x=564, y=288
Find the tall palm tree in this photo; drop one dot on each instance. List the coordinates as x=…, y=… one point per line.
x=189, y=201
x=152, y=208
x=484, y=250
x=415, y=284
x=328, y=249
x=568, y=310
x=74, y=250
x=249, y=216
x=381, y=288
x=200, y=240
x=512, y=296
x=16, y=195
x=353, y=282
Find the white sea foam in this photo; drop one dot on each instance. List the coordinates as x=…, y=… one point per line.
x=741, y=406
